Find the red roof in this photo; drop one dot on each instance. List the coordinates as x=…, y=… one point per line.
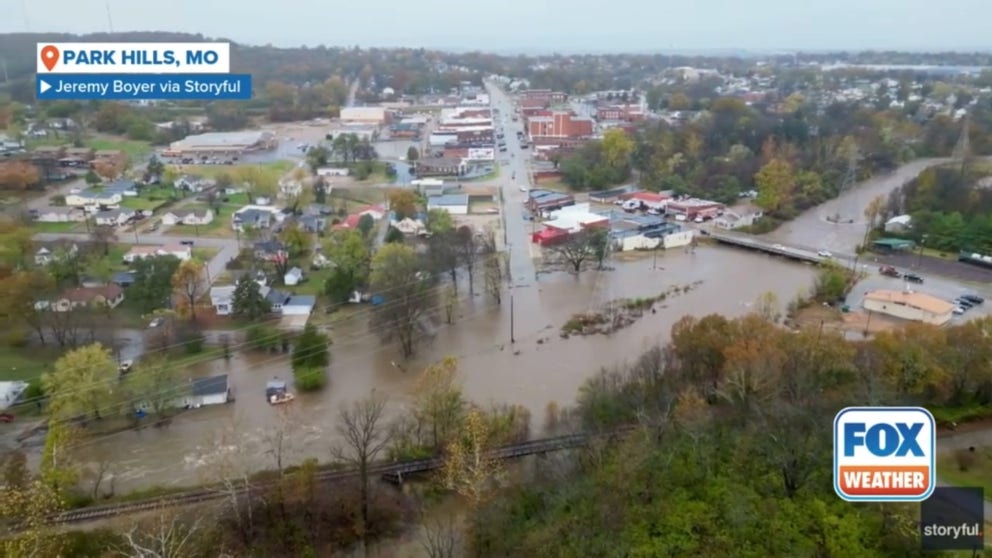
x=350, y=222
x=649, y=197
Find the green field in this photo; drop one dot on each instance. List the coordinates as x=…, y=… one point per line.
x=979, y=473
x=26, y=363
x=135, y=150
x=39, y=227
x=274, y=170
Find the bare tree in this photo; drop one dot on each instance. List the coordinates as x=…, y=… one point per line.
x=580, y=248
x=166, y=536
x=492, y=267
x=467, y=248
x=365, y=436
x=441, y=538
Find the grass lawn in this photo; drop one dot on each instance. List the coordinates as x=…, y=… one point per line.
x=26, y=363
x=356, y=197
x=274, y=170
x=135, y=150
x=205, y=254
x=40, y=227
x=314, y=284
x=490, y=176
x=979, y=473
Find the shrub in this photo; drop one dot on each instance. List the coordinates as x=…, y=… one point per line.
x=310, y=379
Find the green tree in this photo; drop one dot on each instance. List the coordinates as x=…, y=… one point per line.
x=412, y=154
x=92, y=178
x=247, y=302
x=155, y=385
x=152, y=283
x=310, y=359
x=408, y=296
x=617, y=148
x=82, y=383
x=349, y=252
x=365, y=225
x=439, y=221
x=403, y=203
x=776, y=182
x=298, y=241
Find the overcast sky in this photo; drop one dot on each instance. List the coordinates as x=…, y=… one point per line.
x=536, y=25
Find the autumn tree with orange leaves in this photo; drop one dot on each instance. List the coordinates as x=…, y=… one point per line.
x=18, y=175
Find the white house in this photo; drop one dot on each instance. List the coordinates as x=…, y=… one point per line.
x=222, y=299
x=193, y=183
x=293, y=277
x=213, y=390
x=332, y=171
x=299, y=305
x=94, y=197
x=731, y=220
x=141, y=252
x=192, y=217
x=410, y=226
x=899, y=224
x=114, y=217
x=455, y=204
x=60, y=215
x=48, y=254
x=256, y=217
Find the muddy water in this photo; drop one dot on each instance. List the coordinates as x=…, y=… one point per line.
x=812, y=229
x=538, y=368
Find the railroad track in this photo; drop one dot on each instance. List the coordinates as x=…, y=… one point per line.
x=392, y=472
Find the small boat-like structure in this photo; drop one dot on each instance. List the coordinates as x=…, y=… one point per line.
x=277, y=392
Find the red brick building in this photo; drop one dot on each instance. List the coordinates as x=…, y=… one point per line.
x=544, y=97
x=623, y=113
x=534, y=111
x=559, y=125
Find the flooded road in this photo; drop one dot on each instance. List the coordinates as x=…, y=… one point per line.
x=539, y=368
x=813, y=230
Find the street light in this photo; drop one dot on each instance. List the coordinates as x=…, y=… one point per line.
x=919, y=257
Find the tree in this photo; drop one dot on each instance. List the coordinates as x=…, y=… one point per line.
x=28, y=509
x=350, y=253
x=166, y=535
x=776, y=181
x=81, y=383
x=154, y=168
x=408, y=296
x=364, y=435
x=579, y=248
x=108, y=169
x=92, y=178
x=259, y=182
x=189, y=285
x=403, y=203
x=412, y=154
x=468, y=468
x=155, y=383
x=873, y=211
x=18, y=293
x=103, y=236
x=298, y=241
x=492, y=270
x=247, y=302
x=467, y=252
x=365, y=225
x=439, y=221
x=439, y=403
x=618, y=147
x=18, y=175
x=152, y=282
x=310, y=358
x=318, y=156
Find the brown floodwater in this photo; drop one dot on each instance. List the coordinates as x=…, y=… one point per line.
x=538, y=368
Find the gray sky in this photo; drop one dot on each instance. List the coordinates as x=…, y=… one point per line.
x=536, y=25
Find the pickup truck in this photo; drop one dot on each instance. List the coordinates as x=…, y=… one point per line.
x=889, y=271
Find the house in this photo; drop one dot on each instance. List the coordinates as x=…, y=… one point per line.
x=692, y=208
x=293, y=277
x=114, y=217
x=212, y=390
x=376, y=211
x=290, y=188
x=908, y=305
x=255, y=217
x=269, y=250
x=899, y=224
x=95, y=197
x=193, y=217
x=312, y=223
x=650, y=200
x=410, y=227
x=141, y=252
x=222, y=299
x=439, y=166
x=276, y=299
x=193, y=183
x=575, y=219
x=55, y=251
x=80, y=297
x=735, y=219
x=455, y=204
x=60, y=215
x=126, y=188
x=350, y=222
x=298, y=305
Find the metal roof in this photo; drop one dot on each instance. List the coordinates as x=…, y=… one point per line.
x=448, y=199
x=209, y=386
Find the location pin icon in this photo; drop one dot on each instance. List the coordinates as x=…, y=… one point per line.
x=50, y=57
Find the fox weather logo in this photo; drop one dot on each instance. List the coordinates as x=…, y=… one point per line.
x=884, y=454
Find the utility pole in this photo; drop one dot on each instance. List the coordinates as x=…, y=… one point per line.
x=512, y=336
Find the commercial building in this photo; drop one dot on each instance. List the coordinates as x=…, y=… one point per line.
x=621, y=113
x=469, y=153
x=650, y=200
x=548, y=200
x=221, y=144
x=541, y=97
x=559, y=124
x=646, y=232
x=909, y=305
x=693, y=207
x=455, y=204
x=614, y=194
x=365, y=115
x=439, y=166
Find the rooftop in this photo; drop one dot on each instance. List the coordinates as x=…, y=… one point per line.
x=920, y=301
x=209, y=386
x=448, y=199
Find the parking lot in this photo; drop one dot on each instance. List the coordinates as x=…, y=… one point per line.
x=941, y=287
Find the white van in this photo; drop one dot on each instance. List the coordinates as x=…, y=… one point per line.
x=681, y=218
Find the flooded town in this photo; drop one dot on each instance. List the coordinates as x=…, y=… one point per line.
x=232, y=294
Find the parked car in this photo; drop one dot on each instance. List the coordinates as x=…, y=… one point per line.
x=958, y=310
x=973, y=299
x=912, y=278
x=963, y=303
x=156, y=323
x=186, y=242
x=824, y=254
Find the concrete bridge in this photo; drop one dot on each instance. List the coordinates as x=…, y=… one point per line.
x=802, y=254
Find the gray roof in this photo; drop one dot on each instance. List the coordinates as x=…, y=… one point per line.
x=209, y=386
x=448, y=199
x=301, y=300
x=95, y=194
x=277, y=297
x=121, y=185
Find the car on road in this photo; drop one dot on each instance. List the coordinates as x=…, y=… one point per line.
x=186, y=242
x=824, y=254
x=912, y=278
x=888, y=271
x=156, y=323
x=778, y=247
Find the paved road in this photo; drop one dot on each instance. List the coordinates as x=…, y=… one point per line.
x=227, y=248
x=514, y=175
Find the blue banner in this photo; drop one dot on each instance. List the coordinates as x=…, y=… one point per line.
x=143, y=87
